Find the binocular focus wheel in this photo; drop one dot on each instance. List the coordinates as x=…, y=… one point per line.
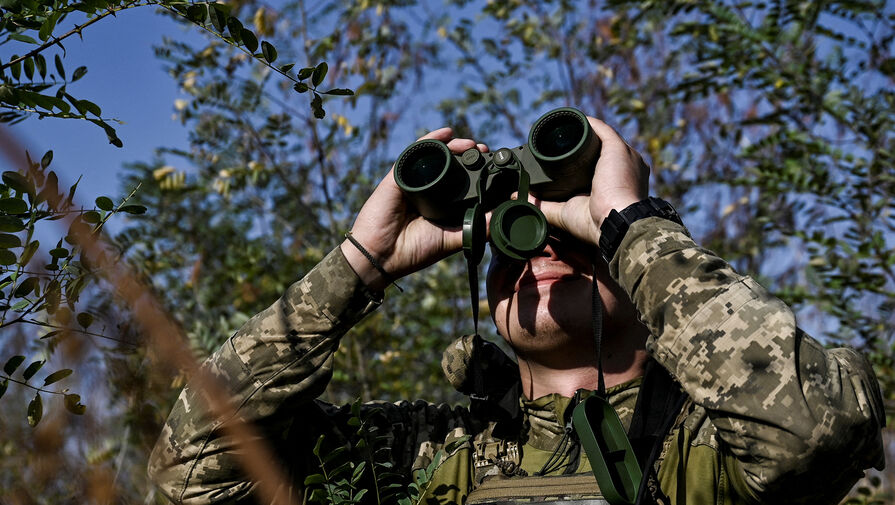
x=518, y=229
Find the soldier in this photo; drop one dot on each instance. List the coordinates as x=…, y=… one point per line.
x=725, y=399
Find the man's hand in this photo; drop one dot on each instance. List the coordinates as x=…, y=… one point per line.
x=394, y=232
x=621, y=178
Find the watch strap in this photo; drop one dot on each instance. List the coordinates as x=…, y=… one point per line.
x=616, y=224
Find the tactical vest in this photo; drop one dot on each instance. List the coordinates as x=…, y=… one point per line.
x=497, y=456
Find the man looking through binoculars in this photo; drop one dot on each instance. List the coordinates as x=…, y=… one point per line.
x=766, y=414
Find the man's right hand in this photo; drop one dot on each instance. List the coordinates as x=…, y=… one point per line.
x=394, y=232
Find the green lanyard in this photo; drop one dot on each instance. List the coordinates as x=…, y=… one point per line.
x=601, y=433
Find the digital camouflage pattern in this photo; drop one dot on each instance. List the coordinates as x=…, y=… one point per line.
x=773, y=417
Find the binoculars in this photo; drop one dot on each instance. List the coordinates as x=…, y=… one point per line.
x=557, y=162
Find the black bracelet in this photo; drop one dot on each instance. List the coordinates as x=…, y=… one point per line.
x=372, y=260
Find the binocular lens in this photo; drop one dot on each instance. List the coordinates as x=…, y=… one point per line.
x=558, y=134
x=518, y=229
x=423, y=166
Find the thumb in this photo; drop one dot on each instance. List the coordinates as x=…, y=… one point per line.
x=553, y=211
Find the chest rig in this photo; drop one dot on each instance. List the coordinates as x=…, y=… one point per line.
x=490, y=378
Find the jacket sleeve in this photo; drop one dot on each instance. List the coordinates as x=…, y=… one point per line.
x=798, y=423
x=276, y=364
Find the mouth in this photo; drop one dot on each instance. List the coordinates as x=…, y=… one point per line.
x=546, y=279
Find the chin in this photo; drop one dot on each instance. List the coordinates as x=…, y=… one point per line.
x=542, y=328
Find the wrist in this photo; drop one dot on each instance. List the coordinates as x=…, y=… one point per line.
x=365, y=270
x=616, y=224
x=617, y=204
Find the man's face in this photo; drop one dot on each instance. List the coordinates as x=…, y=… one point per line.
x=545, y=303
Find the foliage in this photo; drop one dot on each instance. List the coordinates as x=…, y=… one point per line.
x=31, y=88
x=768, y=124
x=363, y=466
x=45, y=293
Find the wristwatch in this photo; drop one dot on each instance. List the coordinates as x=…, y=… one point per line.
x=616, y=224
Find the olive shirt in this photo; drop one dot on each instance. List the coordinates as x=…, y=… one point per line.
x=773, y=416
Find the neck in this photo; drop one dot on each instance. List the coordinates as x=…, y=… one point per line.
x=624, y=359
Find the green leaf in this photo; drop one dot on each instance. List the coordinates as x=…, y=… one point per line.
x=41, y=64
x=59, y=252
x=71, y=191
x=339, y=91
x=110, y=132
x=23, y=38
x=78, y=73
x=35, y=410
x=7, y=257
x=43, y=101
x=29, y=68
x=305, y=73
x=11, y=224
x=249, y=39
x=8, y=93
x=91, y=216
x=12, y=364
x=133, y=209
x=13, y=206
x=16, y=68
x=85, y=319
x=319, y=73
x=3, y=387
x=8, y=241
x=73, y=404
x=57, y=376
x=358, y=472
x=18, y=182
x=269, y=51
x=235, y=28
x=300, y=87
x=338, y=451
x=316, y=478
x=32, y=369
x=89, y=106
x=287, y=67
x=46, y=29
x=59, y=68
x=28, y=252
x=105, y=203
x=46, y=159
x=51, y=334
x=317, y=106
x=196, y=13
x=217, y=17
x=316, y=450
x=27, y=286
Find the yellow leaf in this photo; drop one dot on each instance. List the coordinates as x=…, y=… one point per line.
x=262, y=26
x=160, y=173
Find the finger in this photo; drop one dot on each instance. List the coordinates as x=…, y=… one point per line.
x=553, y=212
x=610, y=138
x=460, y=145
x=482, y=148
x=444, y=134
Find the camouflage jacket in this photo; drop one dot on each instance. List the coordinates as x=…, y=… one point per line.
x=773, y=416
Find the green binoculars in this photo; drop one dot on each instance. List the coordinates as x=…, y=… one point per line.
x=557, y=162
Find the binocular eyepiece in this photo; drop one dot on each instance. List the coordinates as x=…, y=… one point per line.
x=557, y=162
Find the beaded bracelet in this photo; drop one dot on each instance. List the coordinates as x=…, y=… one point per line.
x=372, y=260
